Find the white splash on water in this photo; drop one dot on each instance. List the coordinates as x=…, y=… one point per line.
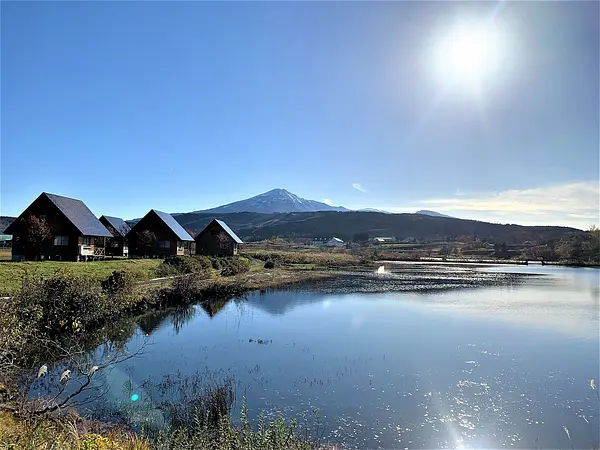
x=381, y=269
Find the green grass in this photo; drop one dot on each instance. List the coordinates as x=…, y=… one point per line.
x=256, y=265
x=13, y=273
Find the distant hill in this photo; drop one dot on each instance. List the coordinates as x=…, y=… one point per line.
x=374, y=210
x=5, y=221
x=274, y=201
x=255, y=226
x=426, y=212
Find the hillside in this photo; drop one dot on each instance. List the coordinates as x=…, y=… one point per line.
x=254, y=226
x=5, y=221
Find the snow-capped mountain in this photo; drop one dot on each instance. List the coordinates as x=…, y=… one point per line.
x=274, y=201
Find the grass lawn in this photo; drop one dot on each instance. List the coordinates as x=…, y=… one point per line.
x=12, y=273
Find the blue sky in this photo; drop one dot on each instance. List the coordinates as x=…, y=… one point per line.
x=187, y=105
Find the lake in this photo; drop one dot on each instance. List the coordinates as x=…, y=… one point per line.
x=423, y=356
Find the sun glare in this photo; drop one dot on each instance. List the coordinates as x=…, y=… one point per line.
x=468, y=55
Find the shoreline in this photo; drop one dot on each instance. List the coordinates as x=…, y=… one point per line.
x=488, y=262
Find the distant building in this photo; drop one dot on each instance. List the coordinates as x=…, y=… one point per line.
x=5, y=240
x=335, y=242
x=320, y=241
x=76, y=233
x=159, y=234
x=383, y=240
x=117, y=245
x=217, y=239
x=408, y=240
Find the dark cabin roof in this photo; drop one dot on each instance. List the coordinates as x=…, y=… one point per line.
x=226, y=228
x=173, y=225
x=79, y=215
x=118, y=224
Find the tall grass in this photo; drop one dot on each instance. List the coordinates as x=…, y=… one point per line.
x=66, y=433
x=199, y=408
x=303, y=257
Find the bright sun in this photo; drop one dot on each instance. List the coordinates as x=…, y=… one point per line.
x=468, y=55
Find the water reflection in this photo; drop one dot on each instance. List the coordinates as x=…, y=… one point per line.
x=150, y=322
x=213, y=307
x=501, y=359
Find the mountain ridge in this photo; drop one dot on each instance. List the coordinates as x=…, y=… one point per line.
x=5, y=221
x=256, y=226
x=427, y=212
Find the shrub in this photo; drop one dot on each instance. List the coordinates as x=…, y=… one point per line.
x=204, y=261
x=270, y=264
x=185, y=289
x=118, y=283
x=120, y=289
x=179, y=265
x=14, y=335
x=62, y=302
x=235, y=266
x=217, y=263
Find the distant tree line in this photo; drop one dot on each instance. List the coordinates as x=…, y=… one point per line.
x=576, y=248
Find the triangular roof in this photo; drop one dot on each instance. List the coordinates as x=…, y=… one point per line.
x=229, y=231
x=225, y=228
x=77, y=213
x=174, y=225
x=118, y=224
x=170, y=222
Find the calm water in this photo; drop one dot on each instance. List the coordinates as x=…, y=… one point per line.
x=439, y=362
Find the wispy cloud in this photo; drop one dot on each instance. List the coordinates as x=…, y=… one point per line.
x=327, y=201
x=567, y=204
x=358, y=187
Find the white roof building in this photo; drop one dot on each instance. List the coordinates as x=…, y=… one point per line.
x=335, y=242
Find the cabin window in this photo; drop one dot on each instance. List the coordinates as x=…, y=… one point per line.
x=164, y=244
x=61, y=240
x=86, y=240
x=44, y=217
